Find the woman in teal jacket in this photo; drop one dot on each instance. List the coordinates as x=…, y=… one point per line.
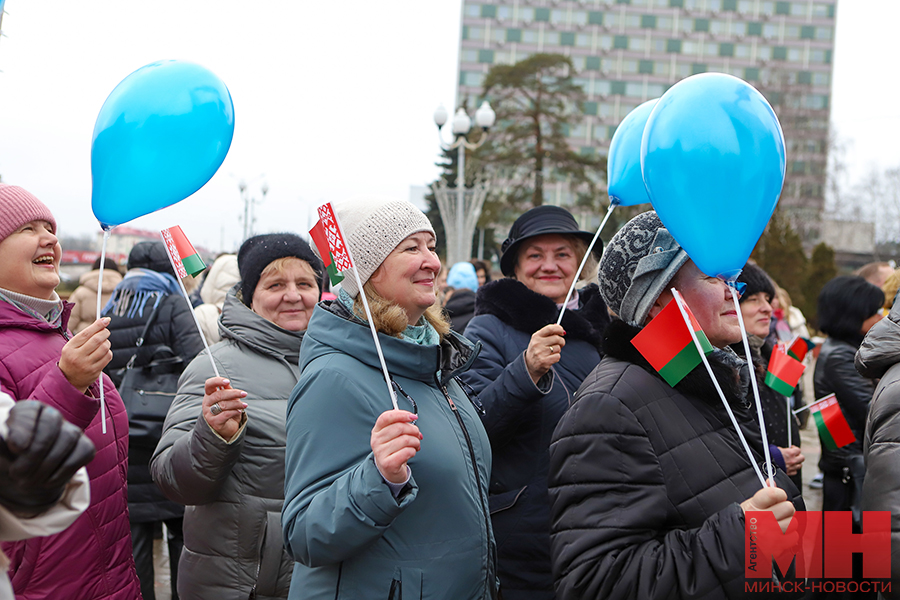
x=383, y=503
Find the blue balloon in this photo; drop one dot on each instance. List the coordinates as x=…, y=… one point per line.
x=713, y=162
x=623, y=165
x=160, y=136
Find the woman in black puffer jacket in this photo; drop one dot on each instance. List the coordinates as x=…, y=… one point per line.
x=150, y=282
x=649, y=483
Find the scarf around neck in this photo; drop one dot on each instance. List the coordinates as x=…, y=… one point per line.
x=139, y=288
x=422, y=335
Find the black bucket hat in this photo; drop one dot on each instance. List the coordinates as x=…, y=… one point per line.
x=541, y=220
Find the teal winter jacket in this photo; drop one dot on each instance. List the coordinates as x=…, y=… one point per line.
x=351, y=538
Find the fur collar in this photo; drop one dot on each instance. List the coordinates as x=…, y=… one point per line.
x=727, y=368
x=524, y=310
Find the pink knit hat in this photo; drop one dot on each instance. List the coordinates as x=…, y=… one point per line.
x=18, y=207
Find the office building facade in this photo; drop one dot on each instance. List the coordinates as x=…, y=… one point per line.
x=628, y=51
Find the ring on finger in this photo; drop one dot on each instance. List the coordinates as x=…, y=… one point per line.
x=215, y=409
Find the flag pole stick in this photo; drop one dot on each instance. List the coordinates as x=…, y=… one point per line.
x=753, y=384
x=789, y=416
x=106, y=231
x=715, y=382
x=810, y=405
x=584, y=260
x=362, y=293
x=191, y=309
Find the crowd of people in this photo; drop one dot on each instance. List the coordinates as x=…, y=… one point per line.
x=473, y=437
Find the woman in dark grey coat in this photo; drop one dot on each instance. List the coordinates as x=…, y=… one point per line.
x=649, y=483
x=526, y=377
x=222, y=450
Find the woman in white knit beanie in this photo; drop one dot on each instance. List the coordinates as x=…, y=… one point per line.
x=383, y=503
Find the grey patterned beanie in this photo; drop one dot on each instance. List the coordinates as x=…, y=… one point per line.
x=638, y=263
x=372, y=229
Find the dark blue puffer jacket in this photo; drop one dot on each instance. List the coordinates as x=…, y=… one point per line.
x=520, y=417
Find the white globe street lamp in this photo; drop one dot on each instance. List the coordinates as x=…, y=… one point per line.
x=457, y=226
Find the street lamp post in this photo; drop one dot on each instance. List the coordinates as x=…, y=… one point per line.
x=484, y=118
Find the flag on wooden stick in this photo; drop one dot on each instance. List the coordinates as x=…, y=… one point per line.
x=834, y=431
x=784, y=372
x=667, y=345
x=184, y=258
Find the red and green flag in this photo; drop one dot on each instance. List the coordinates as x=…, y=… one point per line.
x=329, y=241
x=799, y=347
x=834, y=431
x=667, y=344
x=784, y=372
x=184, y=258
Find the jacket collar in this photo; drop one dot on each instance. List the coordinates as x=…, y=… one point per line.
x=333, y=329
x=524, y=310
x=730, y=370
x=12, y=316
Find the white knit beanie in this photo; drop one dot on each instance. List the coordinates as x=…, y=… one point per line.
x=372, y=229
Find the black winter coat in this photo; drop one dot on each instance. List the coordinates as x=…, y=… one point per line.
x=461, y=308
x=520, y=417
x=174, y=327
x=646, y=481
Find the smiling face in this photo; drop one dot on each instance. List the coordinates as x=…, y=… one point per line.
x=547, y=264
x=407, y=276
x=286, y=293
x=30, y=258
x=709, y=298
x=757, y=313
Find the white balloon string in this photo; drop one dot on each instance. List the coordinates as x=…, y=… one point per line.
x=106, y=231
x=584, y=260
x=715, y=382
x=753, y=384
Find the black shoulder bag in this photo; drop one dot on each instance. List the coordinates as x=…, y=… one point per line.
x=148, y=389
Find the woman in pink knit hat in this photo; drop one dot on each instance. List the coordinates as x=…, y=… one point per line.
x=41, y=360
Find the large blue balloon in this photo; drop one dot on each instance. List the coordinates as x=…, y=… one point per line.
x=160, y=136
x=623, y=166
x=713, y=162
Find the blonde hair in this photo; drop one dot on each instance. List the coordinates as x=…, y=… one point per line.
x=390, y=319
x=890, y=287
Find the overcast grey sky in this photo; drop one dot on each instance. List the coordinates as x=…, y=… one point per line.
x=332, y=99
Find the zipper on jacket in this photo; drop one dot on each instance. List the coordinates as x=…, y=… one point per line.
x=481, y=495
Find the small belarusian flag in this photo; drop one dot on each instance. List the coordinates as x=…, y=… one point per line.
x=799, y=347
x=667, y=345
x=184, y=258
x=834, y=431
x=784, y=372
x=329, y=241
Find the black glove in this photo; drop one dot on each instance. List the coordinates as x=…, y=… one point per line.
x=40, y=454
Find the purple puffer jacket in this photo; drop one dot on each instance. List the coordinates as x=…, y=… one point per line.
x=92, y=559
